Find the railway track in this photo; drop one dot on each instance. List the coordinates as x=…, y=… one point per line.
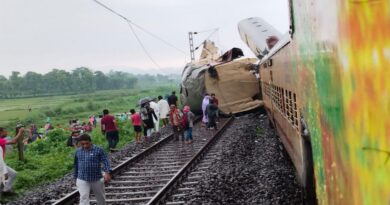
x=164, y=173
x=182, y=192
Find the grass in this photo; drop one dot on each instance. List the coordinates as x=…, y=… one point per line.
x=49, y=159
x=260, y=131
x=14, y=109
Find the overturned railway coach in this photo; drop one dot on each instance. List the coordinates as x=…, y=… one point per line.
x=226, y=76
x=326, y=87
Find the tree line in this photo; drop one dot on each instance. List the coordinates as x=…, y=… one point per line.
x=80, y=80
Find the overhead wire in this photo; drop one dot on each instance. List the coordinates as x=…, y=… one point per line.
x=208, y=37
x=204, y=31
x=148, y=32
x=108, y=8
x=143, y=47
x=131, y=24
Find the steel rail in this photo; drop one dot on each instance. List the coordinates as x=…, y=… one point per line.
x=161, y=196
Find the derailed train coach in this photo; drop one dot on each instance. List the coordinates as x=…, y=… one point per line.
x=326, y=89
x=227, y=76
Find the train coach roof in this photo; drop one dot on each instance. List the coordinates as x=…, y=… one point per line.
x=281, y=43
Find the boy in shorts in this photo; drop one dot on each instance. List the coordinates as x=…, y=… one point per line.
x=137, y=122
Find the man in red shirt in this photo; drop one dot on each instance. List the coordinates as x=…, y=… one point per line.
x=137, y=122
x=3, y=142
x=109, y=128
x=215, y=99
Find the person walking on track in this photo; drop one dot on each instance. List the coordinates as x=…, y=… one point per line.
x=205, y=102
x=148, y=116
x=164, y=110
x=175, y=120
x=156, y=120
x=88, y=171
x=110, y=129
x=216, y=102
x=137, y=123
x=189, y=122
x=211, y=111
x=172, y=99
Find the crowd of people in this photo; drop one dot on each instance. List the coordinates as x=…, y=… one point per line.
x=167, y=111
x=88, y=157
x=77, y=128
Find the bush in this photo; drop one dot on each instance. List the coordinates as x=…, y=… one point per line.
x=91, y=106
x=57, y=135
x=80, y=100
x=49, y=113
x=57, y=110
x=79, y=109
x=40, y=147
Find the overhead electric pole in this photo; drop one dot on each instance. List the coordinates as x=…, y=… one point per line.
x=192, y=50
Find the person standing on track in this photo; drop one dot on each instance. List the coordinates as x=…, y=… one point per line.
x=137, y=122
x=205, y=102
x=216, y=102
x=175, y=119
x=190, y=123
x=147, y=115
x=156, y=120
x=110, y=130
x=164, y=110
x=145, y=119
x=172, y=99
x=88, y=170
x=211, y=111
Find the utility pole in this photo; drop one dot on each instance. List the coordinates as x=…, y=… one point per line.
x=192, y=50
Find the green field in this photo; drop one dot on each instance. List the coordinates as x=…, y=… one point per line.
x=14, y=109
x=49, y=159
x=62, y=108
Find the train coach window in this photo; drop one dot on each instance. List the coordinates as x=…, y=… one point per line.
x=291, y=111
x=280, y=98
x=295, y=110
x=288, y=108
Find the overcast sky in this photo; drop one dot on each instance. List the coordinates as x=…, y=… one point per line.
x=39, y=35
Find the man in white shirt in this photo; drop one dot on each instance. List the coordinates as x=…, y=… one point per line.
x=164, y=110
x=156, y=110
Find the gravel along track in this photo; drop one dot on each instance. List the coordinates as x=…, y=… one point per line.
x=251, y=168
